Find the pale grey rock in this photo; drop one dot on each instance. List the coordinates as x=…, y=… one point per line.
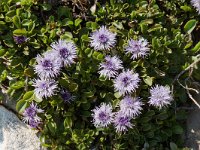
x=14, y=134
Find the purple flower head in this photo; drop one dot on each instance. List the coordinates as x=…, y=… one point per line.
x=131, y=107
x=122, y=122
x=102, y=115
x=34, y=123
x=137, y=48
x=160, y=96
x=66, y=51
x=196, y=5
x=20, y=39
x=126, y=82
x=44, y=88
x=48, y=65
x=30, y=114
x=102, y=39
x=110, y=66
x=67, y=96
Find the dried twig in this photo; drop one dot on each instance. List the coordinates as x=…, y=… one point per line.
x=188, y=89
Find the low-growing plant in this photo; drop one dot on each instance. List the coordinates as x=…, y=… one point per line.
x=104, y=79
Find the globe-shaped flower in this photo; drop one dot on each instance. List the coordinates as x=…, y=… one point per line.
x=33, y=123
x=126, y=82
x=20, y=39
x=102, y=39
x=102, y=115
x=122, y=122
x=160, y=96
x=30, y=115
x=66, y=96
x=66, y=51
x=48, y=65
x=44, y=88
x=131, y=107
x=196, y=4
x=137, y=48
x=109, y=68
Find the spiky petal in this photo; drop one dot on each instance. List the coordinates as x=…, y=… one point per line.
x=122, y=122
x=44, y=88
x=126, y=82
x=131, y=107
x=196, y=5
x=66, y=96
x=20, y=39
x=66, y=51
x=48, y=65
x=160, y=96
x=109, y=68
x=102, y=115
x=137, y=48
x=30, y=115
x=102, y=39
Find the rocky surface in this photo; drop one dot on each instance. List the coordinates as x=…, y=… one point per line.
x=14, y=134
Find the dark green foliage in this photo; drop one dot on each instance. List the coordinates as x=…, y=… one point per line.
x=167, y=25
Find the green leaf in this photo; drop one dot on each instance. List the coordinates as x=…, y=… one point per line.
x=148, y=80
x=2, y=25
x=64, y=83
x=85, y=38
x=156, y=43
x=20, y=32
x=29, y=72
x=186, y=8
x=64, y=11
x=3, y=75
x=77, y=22
x=17, y=85
x=68, y=122
x=196, y=48
x=173, y=146
x=190, y=25
x=46, y=6
x=177, y=129
x=52, y=127
x=31, y=26
x=28, y=96
x=2, y=52
x=21, y=106
x=86, y=113
x=73, y=87
x=16, y=21
x=37, y=99
x=117, y=95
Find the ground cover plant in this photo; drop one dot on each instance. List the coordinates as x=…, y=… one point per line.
x=100, y=74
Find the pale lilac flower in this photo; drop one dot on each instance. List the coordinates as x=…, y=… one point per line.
x=122, y=122
x=131, y=107
x=126, y=82
x=67, y=96
x=196, y=5
x=48, y=65
x=103, y=39
x=66, y=51
x=137, y=48
x=33, y=123
x=160, y=96
x=20, y=39
x=44, y=88
x=30, y=115
x=109, y=68
x=102, y=115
